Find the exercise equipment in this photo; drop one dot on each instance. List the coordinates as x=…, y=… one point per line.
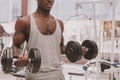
x=107, y=65
x=75, y=51
x=1, y=46
x=7, y=60
x=91, y=49
x=35, y=63
x=85, y=67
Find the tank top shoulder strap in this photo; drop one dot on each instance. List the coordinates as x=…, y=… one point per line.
x=58, y=26
x=32, y=21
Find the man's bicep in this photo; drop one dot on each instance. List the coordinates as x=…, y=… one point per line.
x=19, y=36
x=19, y=26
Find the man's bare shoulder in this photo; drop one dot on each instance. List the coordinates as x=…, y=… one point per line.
x=22, y=23
x=61, y=24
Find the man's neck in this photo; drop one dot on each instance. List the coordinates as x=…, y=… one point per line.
x=43, y=12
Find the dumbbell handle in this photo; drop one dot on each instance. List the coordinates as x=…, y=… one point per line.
x=23, y=52
x=84, y=50
x=24, y=49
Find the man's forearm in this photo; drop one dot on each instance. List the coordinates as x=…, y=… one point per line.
x=63, y=48
x=16, y=51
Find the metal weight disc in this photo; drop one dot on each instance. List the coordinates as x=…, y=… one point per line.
x=73, y=51
x=3, y=60
x=96, y=49
x=35, y=62
x=1, y=47
x=9, y=59
x=92, y=49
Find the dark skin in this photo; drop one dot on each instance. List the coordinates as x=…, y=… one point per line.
x=46, y=25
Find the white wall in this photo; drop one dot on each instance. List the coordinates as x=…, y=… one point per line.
x=9, y=27
x=32, y=6
x=4, y=10
x=81, y=30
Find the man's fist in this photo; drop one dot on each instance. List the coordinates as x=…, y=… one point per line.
x=22, y=61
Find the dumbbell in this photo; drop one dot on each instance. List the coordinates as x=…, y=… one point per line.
x=34, y=56
x=88, y=49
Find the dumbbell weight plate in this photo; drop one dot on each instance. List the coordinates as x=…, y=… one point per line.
x=92, y=49
x=96, y=49
x=73, y=51
x=1, y=48
x=9, y=59
x=3, y=60
x=35, y=60
x=6, y=60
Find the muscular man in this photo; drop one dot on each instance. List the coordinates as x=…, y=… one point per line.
x=42, y=31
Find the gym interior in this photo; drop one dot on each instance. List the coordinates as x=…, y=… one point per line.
x=94, y=24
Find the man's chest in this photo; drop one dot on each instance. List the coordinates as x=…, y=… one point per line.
x=46, y=28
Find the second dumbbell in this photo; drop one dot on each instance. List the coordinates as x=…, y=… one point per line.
x=7, y=60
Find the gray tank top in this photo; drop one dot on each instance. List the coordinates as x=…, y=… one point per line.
x=48, y=45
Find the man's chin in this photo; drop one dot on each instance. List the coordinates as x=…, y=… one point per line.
x=48, y=9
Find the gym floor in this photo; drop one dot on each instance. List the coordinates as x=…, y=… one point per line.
x=67, y=68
